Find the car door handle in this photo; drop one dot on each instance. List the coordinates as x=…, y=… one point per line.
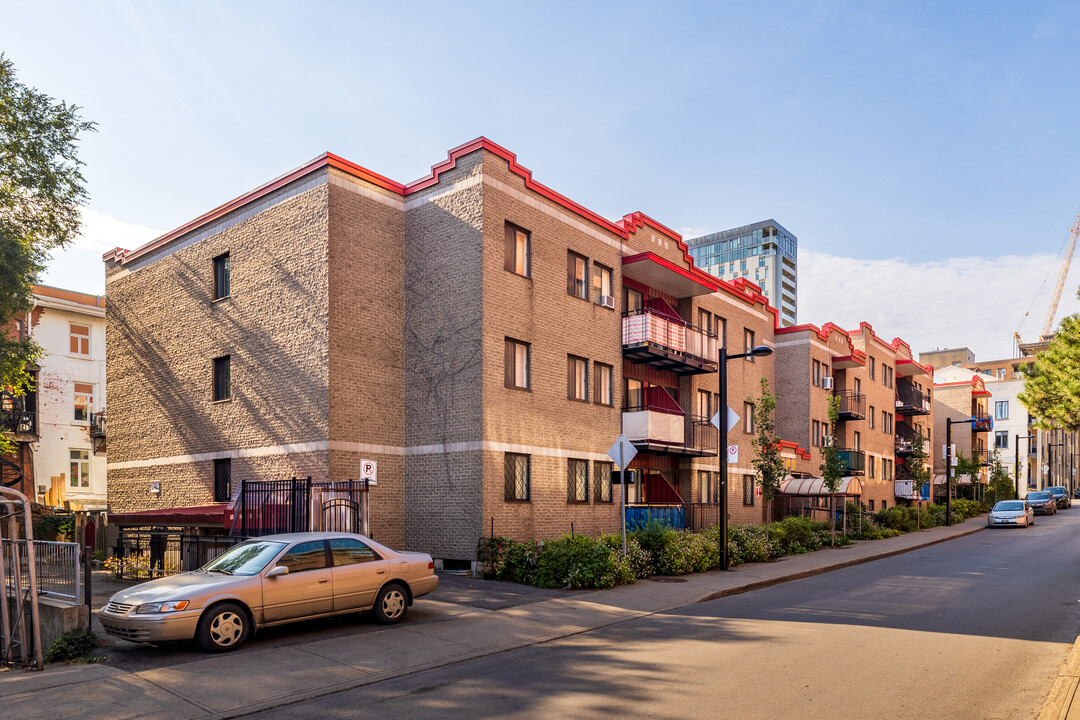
x=380, y=572
x=325, y=580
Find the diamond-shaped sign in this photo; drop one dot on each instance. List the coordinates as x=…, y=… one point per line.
x=622, y=452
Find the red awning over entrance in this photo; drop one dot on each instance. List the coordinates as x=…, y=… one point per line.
x=204, y=515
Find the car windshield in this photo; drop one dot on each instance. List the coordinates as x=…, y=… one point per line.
x=1009, y=505
x=247, y=558
x=1056, y=490
x=1038, y=496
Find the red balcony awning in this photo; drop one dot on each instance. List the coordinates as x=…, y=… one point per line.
x=848, y=361
x=203, y=515
x=909, y=368
x=665, y=276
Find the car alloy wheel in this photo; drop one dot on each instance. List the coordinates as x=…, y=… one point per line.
x=391, y=604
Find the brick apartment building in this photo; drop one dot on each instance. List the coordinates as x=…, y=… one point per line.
x=884, y=405
x=481, y=336
x=961, y=395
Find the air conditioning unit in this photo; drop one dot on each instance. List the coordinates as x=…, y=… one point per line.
x=826, y=441
x=608, y=301
x=42, y=489
x=826, y=382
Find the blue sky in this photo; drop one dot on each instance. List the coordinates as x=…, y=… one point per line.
x=910, y=140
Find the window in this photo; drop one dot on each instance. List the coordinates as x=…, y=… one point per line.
x=747, y=489
x=885, y=422
x=816, y=379
x=702, y=408
x=871, y=505
x=748, y=417
x=605, y=391
x=884, y=504
x=890, y=370
x=516, y=471
x=347, y=551
x=80, y=468
x=890, y=418
x=857, y=386
x=857, y=443
x=1001, y=439
x=223, y=480
x=20, y=329
x=80, y=339
x=305, y=556
x=577, y=480
x=816, y=437
x=84, y=402
x=1001, y=373
x=517, y=364
x=222, y=378
x=871, y=367
x=516, y=259
x=748, y=341
x=603, y=289
x=885, y=369
x=602, y=480
x=221, y=276
x=577, y=378
x=1001, y=410
x=870, y=417
x=635, y=394
x=577, y=272
x=634, y=300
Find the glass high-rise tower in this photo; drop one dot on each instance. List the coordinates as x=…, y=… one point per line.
x=764, y=253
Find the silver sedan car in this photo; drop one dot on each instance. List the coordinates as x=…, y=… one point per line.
x=271, y=580
x=1008, y=513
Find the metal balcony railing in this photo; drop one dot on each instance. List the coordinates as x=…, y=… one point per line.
x=854, y=461
x=910, y=400
x=906, y=438
x=651, y=338
x=982, y=422
x=657, y=429
x=18, y=421
x=852, y=405
x=97, y=425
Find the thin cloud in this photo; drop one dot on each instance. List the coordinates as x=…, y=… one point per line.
x=79, y=266
x=976, y=302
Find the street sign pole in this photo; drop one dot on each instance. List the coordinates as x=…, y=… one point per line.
x=622, y=495
x=948, y=471
x=723, y=461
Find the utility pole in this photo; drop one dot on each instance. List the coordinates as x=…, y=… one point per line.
x=948, y=471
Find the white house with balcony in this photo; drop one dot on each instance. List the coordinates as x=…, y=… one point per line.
x=68, y=455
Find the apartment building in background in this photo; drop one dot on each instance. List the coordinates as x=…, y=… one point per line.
x=951, y=356
x=962, y=396
x=59, y=427
x=884, y=405
x=764, y=253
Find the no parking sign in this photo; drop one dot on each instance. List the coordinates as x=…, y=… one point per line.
x=369, y=471
x=732, y=454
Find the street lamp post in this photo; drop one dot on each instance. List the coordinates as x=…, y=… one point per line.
x=1050, y=461
x=759, y=351
x=1016, y=476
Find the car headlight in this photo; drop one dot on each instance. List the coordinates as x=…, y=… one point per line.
x=164, y=607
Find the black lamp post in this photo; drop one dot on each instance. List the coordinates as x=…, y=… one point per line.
x=759, y=351
x=1050, y=461
x=1016, y=477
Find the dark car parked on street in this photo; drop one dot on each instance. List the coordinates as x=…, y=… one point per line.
x=1061, y=495
x=1042, y=502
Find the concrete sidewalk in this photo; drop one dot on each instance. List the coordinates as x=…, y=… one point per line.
x=232, y=685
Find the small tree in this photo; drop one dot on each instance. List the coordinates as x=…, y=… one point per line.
x=768, y=465
x=1052, y=382
x=918, y=471
x=832, y=466
x=1001, y=485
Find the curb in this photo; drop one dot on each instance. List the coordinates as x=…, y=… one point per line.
x=760, y=584
x=1059, y=703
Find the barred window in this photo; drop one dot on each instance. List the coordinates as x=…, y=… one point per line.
x=517, y=477
x=602, y=480
x=223, y=480
x=577, y=480
x=747, y=489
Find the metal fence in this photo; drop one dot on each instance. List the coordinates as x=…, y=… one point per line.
x=143, y=553
x=299, y=505
x=58, y=567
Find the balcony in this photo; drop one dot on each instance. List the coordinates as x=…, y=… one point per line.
x=852, y=405
x=910, y=400
x=907, y=490
x=97, y=425
x=18, y=421
x=656, y=429
x=651, y=338
x=982, y=422
x=905, y=440
x=854, y=461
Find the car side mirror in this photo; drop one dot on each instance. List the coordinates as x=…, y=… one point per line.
x=277, y=570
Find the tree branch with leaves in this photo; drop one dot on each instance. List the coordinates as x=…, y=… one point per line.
x=768, y=465
x=832, y=465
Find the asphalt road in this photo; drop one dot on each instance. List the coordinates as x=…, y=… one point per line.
x=972, y=628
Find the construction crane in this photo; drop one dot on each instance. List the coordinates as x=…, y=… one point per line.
x=1063, y=274
x=1066, y=261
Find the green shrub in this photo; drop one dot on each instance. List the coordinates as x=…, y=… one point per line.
x=71, y=646
x=747, y=544
x=638, y=561
x=795, y=536
x=521, y=562
x=577, y=562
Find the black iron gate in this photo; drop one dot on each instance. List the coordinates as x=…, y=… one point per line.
x=267, y=507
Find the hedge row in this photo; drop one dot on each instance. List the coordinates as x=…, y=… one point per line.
x=580, y=561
